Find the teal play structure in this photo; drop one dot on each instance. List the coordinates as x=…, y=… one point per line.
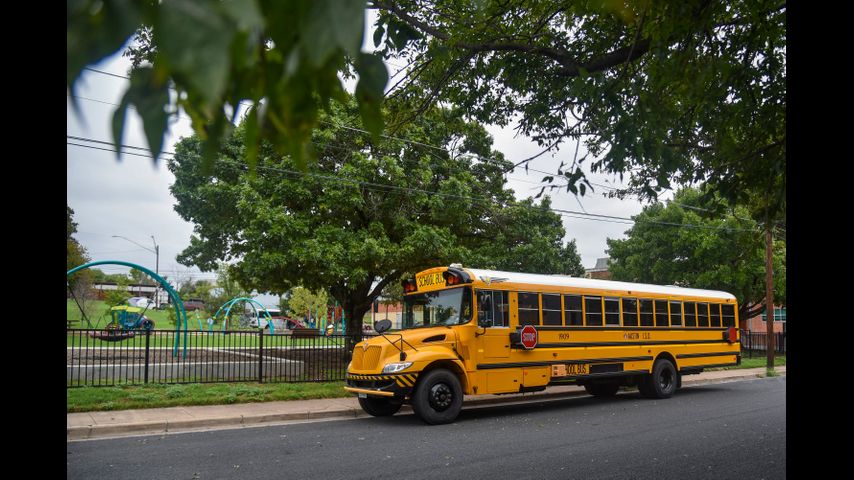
x=180, y=313
x=227, y=306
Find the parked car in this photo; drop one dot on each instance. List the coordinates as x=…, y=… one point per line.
x=194, y=304
x=142, y=302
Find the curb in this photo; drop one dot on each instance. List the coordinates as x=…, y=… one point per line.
x=164, y=426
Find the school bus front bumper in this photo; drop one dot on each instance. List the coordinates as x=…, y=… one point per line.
x=398, y=385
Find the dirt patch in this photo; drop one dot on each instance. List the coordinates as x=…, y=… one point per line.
x=319, y=364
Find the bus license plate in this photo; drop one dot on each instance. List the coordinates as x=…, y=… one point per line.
x=363, y=395
x=578, y=369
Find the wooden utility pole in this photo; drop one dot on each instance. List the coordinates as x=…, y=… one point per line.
x=769, y=294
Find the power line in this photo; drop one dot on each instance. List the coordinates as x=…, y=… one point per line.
x=385, y=189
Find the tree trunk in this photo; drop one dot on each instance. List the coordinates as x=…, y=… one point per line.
x=769, y=295
x=354, y=314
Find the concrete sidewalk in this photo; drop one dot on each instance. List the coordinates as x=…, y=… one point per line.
x=87, y=425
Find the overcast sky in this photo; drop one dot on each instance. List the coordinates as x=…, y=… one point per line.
x=130, y=198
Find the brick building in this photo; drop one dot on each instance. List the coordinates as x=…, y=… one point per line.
x=757, y=323
x=600, y=271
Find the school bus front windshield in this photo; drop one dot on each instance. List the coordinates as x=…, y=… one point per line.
x=443, y=307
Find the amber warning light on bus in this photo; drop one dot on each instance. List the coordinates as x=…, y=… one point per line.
x=409, y=285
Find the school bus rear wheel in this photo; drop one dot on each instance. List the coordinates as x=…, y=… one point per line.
x=438, y=397
x=380, y=407
x=661, y=383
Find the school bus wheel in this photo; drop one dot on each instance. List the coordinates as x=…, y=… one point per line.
x=438, y=397
x=661, y=383
x=379, y=406
x=604, y=389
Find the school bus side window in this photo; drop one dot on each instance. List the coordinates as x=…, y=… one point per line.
x=661, y=313
x=690, y=314
x=728, y=315
x=572, y=310
x=593, y=310
x=551, y=309
x=646, y=313
x=529, y=309
x=702, y=314
x=612, y=311
x=630, y=312
x=493, y=306
x=715, y=309
x=484, y=307
x=675, y=314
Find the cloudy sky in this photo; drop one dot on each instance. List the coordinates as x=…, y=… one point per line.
x=130, y=197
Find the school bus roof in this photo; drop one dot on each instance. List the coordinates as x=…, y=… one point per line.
x=496, y=278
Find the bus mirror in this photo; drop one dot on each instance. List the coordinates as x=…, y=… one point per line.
x=382, y=325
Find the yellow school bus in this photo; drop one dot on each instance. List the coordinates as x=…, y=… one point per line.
x=470, y=331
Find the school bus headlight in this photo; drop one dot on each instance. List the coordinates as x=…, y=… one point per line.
x=396, y=367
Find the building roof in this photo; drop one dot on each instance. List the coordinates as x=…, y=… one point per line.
x=601, y=265
x=575, y=282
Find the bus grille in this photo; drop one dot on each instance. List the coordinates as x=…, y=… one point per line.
x=366, y=359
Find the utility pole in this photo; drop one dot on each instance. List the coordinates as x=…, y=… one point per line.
x=156, y=253
x=769, y=294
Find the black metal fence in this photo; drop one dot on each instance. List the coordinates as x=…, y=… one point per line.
x=134, y=357
x=757, y=343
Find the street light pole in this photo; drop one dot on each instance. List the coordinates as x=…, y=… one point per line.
x=156, y=271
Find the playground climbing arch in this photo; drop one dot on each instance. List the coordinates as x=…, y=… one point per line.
x=180, y=313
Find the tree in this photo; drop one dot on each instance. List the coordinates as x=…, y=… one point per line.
x=216, y=55
x=303, y=301
x=667, y=92
x=719, y=254
x=682, y=93
x=358, y=219
x=79, y=283
x=529, y=238
x=227, y=287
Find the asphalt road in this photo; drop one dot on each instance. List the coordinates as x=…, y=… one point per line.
x=730, y=430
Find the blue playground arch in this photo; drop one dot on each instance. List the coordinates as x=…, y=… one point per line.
x=176, y=299
x=227, y=306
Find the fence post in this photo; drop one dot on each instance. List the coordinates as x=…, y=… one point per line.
x=147, y=347
x=261, y=355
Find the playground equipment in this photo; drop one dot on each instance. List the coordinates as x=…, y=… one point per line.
x=227, y=306
x=124, y=320
x=180, y=313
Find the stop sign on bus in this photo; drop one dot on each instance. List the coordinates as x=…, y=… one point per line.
x=528, y=337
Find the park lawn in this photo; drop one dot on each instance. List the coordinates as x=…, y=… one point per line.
x=757, y=361
x=93, y=399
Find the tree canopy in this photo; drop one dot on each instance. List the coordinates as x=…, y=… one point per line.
x=718, y=254
x=364, y=214
x=667, y=92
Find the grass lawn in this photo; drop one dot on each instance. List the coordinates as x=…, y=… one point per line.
x=757, y=361
x=90, y=399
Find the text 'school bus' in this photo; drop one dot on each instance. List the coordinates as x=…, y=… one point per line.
x=470, y=331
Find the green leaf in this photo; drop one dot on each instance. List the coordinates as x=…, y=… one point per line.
x=150, y=98
x=332, y=24
x=119, y=123
x=373, y=77
x=245, y=14
x=200, y=54
x=378, y=35
x=95, y=30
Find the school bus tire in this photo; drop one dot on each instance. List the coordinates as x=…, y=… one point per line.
x=608, y=389
x=438, y=397
x=380, y=407
x=662, y=382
